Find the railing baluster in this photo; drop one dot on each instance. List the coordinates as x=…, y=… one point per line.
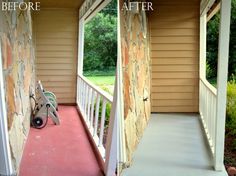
x=212, y=117
x=83, y=101
x=96, y=115
x=200, y=99
x=104, y=104
x=86, y=102
x=208, y=110
x=77, y=90
x=89, y=104
x=84, y=97
x=92, y=109
x=81, y=92
x=214, y=123
x=87, y=96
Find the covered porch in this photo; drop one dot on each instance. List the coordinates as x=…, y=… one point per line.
x=59, y=40
x=173, y=144
x=85, y=141
x=60, y=150
x=185, y=132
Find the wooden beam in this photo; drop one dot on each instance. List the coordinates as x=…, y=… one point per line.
x=205, y=6
x=97, y=9
x=213, y=11
x=222, y=74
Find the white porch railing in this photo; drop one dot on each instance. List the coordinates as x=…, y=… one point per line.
x=92, y=102
x=208, y=100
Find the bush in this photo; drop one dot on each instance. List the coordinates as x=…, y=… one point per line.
x=107, y=115
x=212, y=41
x=231, y=108
x=210, y=73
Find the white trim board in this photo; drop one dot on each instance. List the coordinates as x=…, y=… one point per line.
x=121, y=126
x=222, y=75
x=5, y=155
x=96, y=7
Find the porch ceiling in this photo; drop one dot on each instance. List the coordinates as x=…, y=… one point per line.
x=75, y=4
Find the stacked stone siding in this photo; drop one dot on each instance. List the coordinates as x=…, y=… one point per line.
x=19, y=74
x=136, y=76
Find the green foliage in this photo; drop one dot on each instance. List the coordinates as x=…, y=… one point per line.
x=232, y=48
x=231, y=108
x=212, y=46
x=209, y=72
x=111, y=8
x=212, y=43
x=100, y=44
x=102, y=80
x=107, y=115
x=107, y=72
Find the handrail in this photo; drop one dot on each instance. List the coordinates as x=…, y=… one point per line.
x=106, y=95
x=207, y=108
x=209, y=86
x=92, y=101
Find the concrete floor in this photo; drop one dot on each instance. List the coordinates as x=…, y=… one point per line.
x=173, y=144
x=62, y=150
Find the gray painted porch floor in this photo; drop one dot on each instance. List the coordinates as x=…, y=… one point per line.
x=172, y=145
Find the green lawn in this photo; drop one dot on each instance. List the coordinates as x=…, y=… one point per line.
x=102, y=80
x=105, y=82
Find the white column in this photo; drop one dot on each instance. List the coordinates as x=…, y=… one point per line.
x=80, y=57
x=120, y=96
x=5, y=155
x=111, y=145
x=223, y=54
x=203, y=36
x=80, y=46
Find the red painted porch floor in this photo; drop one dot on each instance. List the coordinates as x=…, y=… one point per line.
x=62, y=150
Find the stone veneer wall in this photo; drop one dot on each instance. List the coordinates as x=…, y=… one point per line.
x=19, y=74
x=136, y=76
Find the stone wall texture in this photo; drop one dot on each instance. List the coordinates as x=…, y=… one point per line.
x=136, y=76
x=19, y=74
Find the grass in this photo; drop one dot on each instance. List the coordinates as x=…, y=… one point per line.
x=108, y=72
x=102, y=80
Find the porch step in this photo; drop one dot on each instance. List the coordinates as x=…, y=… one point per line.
x=173, y=144
x=62, y=150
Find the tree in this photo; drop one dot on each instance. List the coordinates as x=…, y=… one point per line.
x=212, y=44
x=100, y=44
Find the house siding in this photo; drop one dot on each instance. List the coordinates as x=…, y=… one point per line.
x=56, y=33
x=174, y=35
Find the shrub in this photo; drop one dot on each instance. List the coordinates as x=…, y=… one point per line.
x=210, y=73
x=231, y=108
x=107, y=115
